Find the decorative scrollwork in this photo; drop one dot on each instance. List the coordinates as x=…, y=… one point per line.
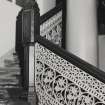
x=85, y=99
x=52, y=29
x=58, y=82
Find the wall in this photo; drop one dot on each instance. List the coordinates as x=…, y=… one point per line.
x=81, y=27
x=46, y=5
x=102, y=52
x=8, y=13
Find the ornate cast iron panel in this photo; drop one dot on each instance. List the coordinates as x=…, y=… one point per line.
x=59, y=82
x=52, y=29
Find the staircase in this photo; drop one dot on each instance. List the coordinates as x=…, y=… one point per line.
x=11, y=91
x=60, y=78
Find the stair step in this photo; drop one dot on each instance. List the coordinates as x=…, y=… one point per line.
x=18, y=93
x=11, y=75
x=12, y=83
x=12, y=66
x=7, y=81
x=4, y=80
x=3, y=97
x=9, y=87
x=10, y=69
x=18, y=102
x=12, y=61
x=9, y=63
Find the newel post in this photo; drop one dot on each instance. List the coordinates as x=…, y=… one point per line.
x=30, y=29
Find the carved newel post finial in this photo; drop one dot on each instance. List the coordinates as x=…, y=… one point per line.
x=31, y=4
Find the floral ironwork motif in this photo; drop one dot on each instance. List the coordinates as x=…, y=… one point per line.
x=52, y=29
x=59, y=82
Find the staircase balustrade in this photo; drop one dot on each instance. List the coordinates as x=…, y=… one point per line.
x=53, y=75
x=62, y=78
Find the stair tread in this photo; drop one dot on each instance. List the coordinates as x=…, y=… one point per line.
x=10, y=68
x=18, y=102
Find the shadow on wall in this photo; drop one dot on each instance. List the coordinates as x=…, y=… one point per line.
x=8, y=13
x=46, y=5
x=102, y=52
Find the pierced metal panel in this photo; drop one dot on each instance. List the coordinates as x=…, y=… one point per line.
x=59, y=82
x=52, y=29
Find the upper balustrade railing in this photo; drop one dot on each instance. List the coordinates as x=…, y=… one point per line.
x=51, y=25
